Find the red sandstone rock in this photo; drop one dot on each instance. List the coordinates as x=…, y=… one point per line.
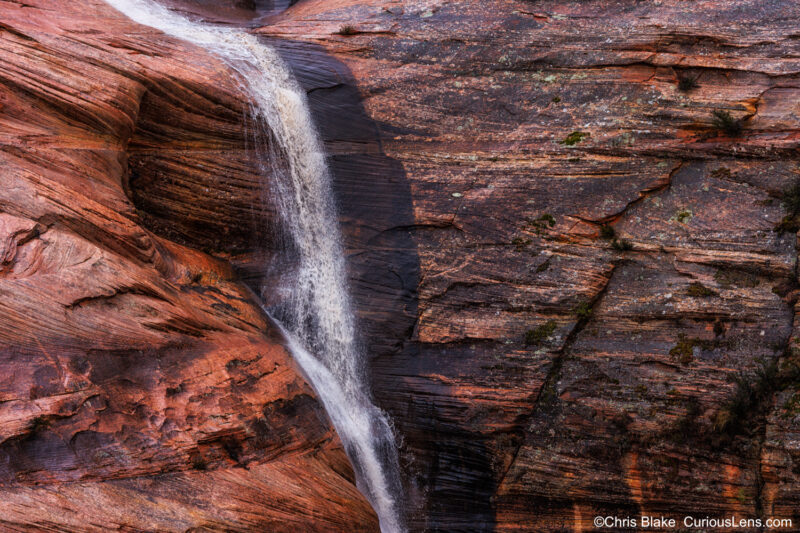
x=140, y=387
x=446, y=123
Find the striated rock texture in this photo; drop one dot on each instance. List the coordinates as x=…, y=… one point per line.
x=140, y=387
x=577, y=283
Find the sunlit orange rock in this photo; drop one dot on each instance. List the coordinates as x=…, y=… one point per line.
x=141, y=388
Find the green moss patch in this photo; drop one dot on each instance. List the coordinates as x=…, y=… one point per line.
x=535, y=337
x=574, y=138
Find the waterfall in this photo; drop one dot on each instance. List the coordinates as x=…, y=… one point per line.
x=316, y=315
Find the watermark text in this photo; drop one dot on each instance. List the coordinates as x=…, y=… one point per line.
x=690, y=522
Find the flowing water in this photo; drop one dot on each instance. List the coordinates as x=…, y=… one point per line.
x=316, y=314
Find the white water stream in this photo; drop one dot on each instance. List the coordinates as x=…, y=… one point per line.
x=317, y=315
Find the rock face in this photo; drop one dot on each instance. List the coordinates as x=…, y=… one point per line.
x=238, y=12
x=576, y=281
x=141, y=389
x=577, y=284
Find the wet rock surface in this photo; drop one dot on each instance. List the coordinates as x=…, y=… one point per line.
x=576, y=283
x=585, y=304
x=141, y=388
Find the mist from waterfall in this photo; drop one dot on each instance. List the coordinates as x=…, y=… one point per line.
x=315, y=312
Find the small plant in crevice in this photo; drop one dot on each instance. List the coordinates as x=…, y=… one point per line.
x=542, y=223
x=752, y=395
x=683, y=216
x=583, y=311
x=574, y=138
x=790, y=200
x=725, y=122
x=347, y=29
x=683, y=350
x=607, y=232
x=548, y=219
x=686, y=83
x=520, y=243
x=748, y=392
x=534, y=337
x=791, y=407
x=698, y=290
x=622, y=245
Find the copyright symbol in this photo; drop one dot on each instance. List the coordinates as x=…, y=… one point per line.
x=598, y=521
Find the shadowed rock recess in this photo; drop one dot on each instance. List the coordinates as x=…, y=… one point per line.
x=570, y=243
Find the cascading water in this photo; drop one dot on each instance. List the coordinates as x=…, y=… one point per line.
x=316, y=315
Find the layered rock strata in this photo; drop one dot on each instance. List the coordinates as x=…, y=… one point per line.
x=141, y=387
